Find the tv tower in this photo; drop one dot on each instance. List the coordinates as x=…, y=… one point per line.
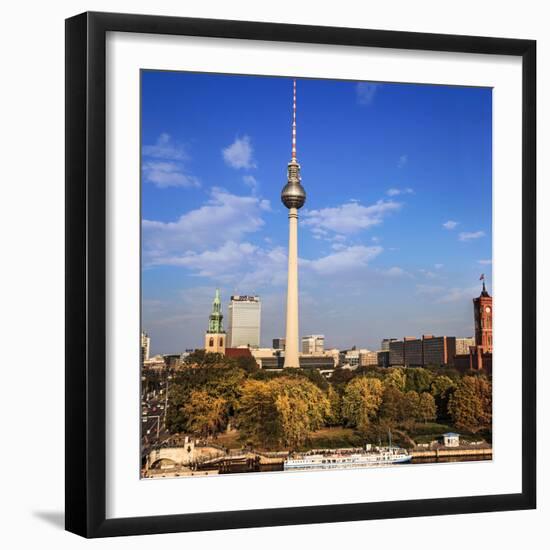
x=293, y=197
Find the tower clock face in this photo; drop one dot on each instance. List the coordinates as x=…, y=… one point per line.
x=487, y=309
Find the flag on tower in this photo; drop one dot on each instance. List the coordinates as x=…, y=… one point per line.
x=482, y=278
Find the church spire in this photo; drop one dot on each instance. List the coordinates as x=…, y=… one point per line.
x=216, y=317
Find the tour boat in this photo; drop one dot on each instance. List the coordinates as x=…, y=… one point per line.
x=370, y=456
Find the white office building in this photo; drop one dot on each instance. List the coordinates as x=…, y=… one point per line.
x=463, y=345
x=350, y=358
x=244, y=314
x=313, y=344
x=145, y=346
x=368, y=358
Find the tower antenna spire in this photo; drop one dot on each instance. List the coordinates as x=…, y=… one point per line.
x=294, y=122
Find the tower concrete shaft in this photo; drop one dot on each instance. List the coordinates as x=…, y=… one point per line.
x=293, y=197
x=292, y=324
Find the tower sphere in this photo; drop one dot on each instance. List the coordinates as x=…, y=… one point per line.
x=293, y=195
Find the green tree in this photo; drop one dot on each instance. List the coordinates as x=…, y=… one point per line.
x=441, y=388
x=281, y=411
x=221, y=382
x=418, y=380
x=152, y=380
x=360, y=402
x=334, y=397
x=199, y=358
x=470, y=405
x=205, y=413
x=175, y=419
x=392, y=406
x=301, y=408
x=341, y=376
x=226, y=383
x=313, y=375
x=450, y=372
x=410, y=408
x=426, y=409
x=248, y=364
x=257, y=417
x=396, y=378
x=371, y=371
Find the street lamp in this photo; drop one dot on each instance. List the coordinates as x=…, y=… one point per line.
x=158, y=425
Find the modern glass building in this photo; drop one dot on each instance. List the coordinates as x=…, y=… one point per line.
x=244, y=314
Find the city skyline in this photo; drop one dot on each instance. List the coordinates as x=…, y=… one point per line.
x=314, y=344
x=394, y=236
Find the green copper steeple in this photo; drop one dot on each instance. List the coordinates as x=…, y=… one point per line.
x=215, y=319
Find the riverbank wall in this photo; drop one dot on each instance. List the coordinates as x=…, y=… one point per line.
x=440, y=453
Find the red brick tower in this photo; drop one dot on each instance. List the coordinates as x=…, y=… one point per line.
x=483, y=316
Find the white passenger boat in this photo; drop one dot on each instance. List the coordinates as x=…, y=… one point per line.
x=370, y=457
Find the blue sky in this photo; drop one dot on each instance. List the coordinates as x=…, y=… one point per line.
x=393, y=237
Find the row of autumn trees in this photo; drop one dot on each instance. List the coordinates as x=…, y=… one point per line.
x=273, y=410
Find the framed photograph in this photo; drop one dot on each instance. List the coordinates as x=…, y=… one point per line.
x=300, y=274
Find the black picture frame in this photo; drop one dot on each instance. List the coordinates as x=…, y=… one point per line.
x=86, y=279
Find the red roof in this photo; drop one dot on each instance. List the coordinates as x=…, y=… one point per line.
x=237, y=352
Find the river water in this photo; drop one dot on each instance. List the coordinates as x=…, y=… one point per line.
x=243, y=468
x=433, y=460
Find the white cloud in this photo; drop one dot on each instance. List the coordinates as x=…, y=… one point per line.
x=337, y=238
x=350, y=258
x=458, y=294
x=239, y=154
x=429, y=290
x=163, y=164
x=393, y=192
x=265, y=268
x=251, y=181
x=438, y=266
x=165, y=148
x=185, y=311
x=152, y=305
x=403, y=159
x=395, y=272
x=450, y=224
x=215, y=262
x=348, y=218
x=365, y=92
x=249, y=267
x=225, y=217
x=485, y=262
x=428, y=274
x=168, y=174
x=447, y=295
x=468, y=236
x=243, y=266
